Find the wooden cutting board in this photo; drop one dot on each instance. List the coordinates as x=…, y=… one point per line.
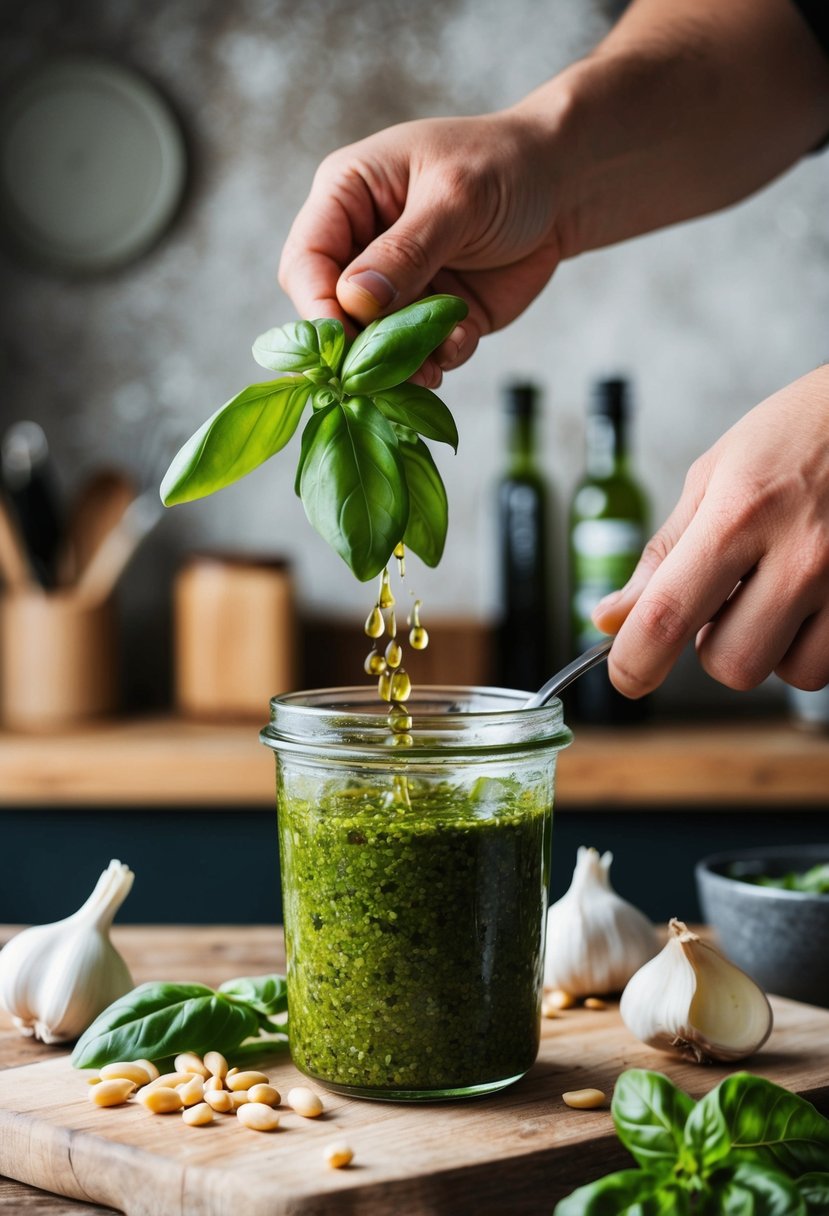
x=517, y=1152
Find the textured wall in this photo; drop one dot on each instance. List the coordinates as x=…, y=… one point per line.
x=707, y=318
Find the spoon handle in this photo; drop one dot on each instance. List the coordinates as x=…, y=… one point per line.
x=568, y=674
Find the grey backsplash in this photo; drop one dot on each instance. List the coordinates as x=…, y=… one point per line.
x=707, y=318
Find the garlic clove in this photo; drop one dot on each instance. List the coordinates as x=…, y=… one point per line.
x=692, y=1001
x=55, y=979
x=595, y=939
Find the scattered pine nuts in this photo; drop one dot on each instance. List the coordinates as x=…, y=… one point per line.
x=192, y=1092
x=595, y=1002
x=240, y=1098
x=219, y=1100
x=264, y=1093
x=197, y=1116
x=244, y=1080
x=337, y=1156
x=559, y=999
x=188, y=1061
x=304, y=1101
x=162, y=1101
x=231, y=1072
x=258, y=1117
x=216, y=1064
x=584, y=1099
x=169, y=1080
x=215, y=1083
x=112, y=1092
x=129, y=1071
x=152, y=1071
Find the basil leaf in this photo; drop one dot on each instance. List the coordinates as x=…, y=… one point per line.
x=748, y=1118
x=421, y=410
x=428, y=519
x=267, y=994
x=753, y=1191
x=814, y=1190
x=302, y=346
x=391, y=349
x=649, y=1113
x=159, y=1020
x=625, y=1193
x=244, y=433
x=353, y=486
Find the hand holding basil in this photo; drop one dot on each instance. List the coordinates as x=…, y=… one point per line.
x=366, y=478
x=748, y=1148
x=158, y=1021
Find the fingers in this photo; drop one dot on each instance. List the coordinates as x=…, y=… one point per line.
x=806, y=662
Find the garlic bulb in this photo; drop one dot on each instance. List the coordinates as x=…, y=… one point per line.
x=691, y=1000
x=595, y=939
x=56, y=979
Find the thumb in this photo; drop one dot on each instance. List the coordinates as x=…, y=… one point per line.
x=397, y=267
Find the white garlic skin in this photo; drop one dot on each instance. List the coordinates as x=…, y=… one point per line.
x=55, y=979
x=691, y=1001
x=595, y=939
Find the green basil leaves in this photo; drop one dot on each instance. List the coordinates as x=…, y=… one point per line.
x=160, y=1020
x=365, y=476
x=748, y=1148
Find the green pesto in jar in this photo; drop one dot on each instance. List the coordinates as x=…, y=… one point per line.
x=415, y=933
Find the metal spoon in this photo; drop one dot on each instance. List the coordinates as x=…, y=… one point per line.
x=568, y=674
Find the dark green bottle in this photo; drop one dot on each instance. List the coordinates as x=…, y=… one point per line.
x=607, y=530
x=525, y=626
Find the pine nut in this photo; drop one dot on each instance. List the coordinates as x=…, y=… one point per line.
x=231, y=1072
x=93, y=1078
x=304, y=1101
x=240, y=1098
x=136, y=1073
x=559, y=999
x=215, y=1062
x=112, y=1092
x=264, y=1093
x=258, y=1117
x=584, y=1099
x=219, y=1100
x=163, y=1100
x=595, y=1002
x=152, y=1071
x=337, y=1156
x=192, y=1092
x=188, y=1061
x=197, y=1116
x=548, y=1010
x=244, y=1080
x=169, y=1080
x=214, y=1083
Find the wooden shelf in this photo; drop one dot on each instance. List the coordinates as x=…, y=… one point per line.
x=167, y=762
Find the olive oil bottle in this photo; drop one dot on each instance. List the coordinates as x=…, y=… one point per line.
x=525, y=627
x=607, y=531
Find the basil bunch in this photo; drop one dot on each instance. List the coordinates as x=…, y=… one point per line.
x=748, y=1148
x=366, y=478
x=158, y=1021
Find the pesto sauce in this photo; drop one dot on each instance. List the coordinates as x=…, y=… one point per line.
x=414, y=933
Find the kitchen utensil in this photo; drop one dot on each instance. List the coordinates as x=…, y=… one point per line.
x=118, y=547
x=97, y=508
x=30, y=485
x=14, y=560
x=590, y=658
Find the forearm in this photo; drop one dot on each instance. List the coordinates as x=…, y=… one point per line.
x=687, y=106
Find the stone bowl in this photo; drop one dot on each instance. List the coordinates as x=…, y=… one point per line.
x=779, y=937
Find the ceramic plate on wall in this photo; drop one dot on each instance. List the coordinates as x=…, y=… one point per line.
x=92, y=165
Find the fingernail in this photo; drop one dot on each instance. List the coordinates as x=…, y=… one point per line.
x=375, y=285
x=608, y=601
x=455, y=342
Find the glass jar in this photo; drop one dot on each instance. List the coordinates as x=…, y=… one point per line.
x=414, y=880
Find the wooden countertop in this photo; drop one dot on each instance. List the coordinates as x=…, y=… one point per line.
x=165, y=761
x=437, y=1162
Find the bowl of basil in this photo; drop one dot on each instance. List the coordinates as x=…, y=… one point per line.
x=770, y=909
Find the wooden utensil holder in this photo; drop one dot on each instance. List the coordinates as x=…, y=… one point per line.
x=235, y=637
x=58, y=662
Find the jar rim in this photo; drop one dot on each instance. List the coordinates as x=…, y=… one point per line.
x=446, y=719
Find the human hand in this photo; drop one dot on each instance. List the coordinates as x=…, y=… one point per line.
x=743, y=560
x=458, y=205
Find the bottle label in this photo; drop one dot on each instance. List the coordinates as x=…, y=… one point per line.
x=605, y=553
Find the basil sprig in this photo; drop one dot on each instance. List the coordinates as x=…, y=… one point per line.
x=748, y=1148
x=157, y=1021
x=366, y=478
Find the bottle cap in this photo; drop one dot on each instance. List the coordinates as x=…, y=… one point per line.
x=611, y=397
x=520, y=399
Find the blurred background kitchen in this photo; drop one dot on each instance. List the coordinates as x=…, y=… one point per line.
x=123, y=328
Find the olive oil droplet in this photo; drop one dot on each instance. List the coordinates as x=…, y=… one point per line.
x=375, y=664
x=375, y=623
x=394, y=653
x=418, y=638
x=384, y=686
x=400, y=686
x=386, y=598
x=400, y=554
x=400, y=719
